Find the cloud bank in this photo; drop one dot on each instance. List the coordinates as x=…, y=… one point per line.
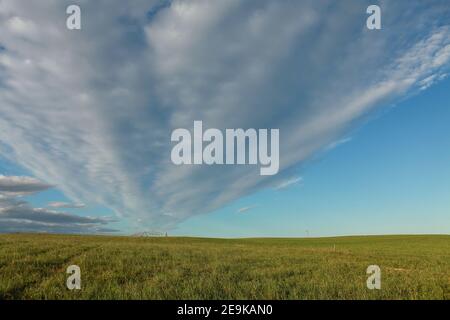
x=20, y=186
x=91, y=111
x=17, y=215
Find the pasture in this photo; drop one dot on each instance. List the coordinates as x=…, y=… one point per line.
x=412, y=267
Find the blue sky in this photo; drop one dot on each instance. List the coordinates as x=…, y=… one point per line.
x=86, y=116
x=391, y=177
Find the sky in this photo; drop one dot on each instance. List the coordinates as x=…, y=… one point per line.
x=86, y=117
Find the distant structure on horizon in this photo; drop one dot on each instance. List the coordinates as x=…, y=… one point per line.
x=150, y=234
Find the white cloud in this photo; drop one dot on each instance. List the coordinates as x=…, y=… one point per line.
x=288, y=183
x=338, y=143
x=91, y=111
x=66, y=205
x=21, y=27
x=245, y=209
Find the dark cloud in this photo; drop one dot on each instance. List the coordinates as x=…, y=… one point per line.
x=17, y=186
x=17, y=215
x=17, y=225
x=26, y=212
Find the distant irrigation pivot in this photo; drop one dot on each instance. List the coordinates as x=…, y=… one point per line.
x=148, y=234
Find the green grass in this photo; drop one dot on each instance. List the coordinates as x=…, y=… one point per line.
x=413, y=267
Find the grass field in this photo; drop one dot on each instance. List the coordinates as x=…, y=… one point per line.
x=413, y=267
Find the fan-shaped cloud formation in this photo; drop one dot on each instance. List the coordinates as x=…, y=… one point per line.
x=91, y=111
